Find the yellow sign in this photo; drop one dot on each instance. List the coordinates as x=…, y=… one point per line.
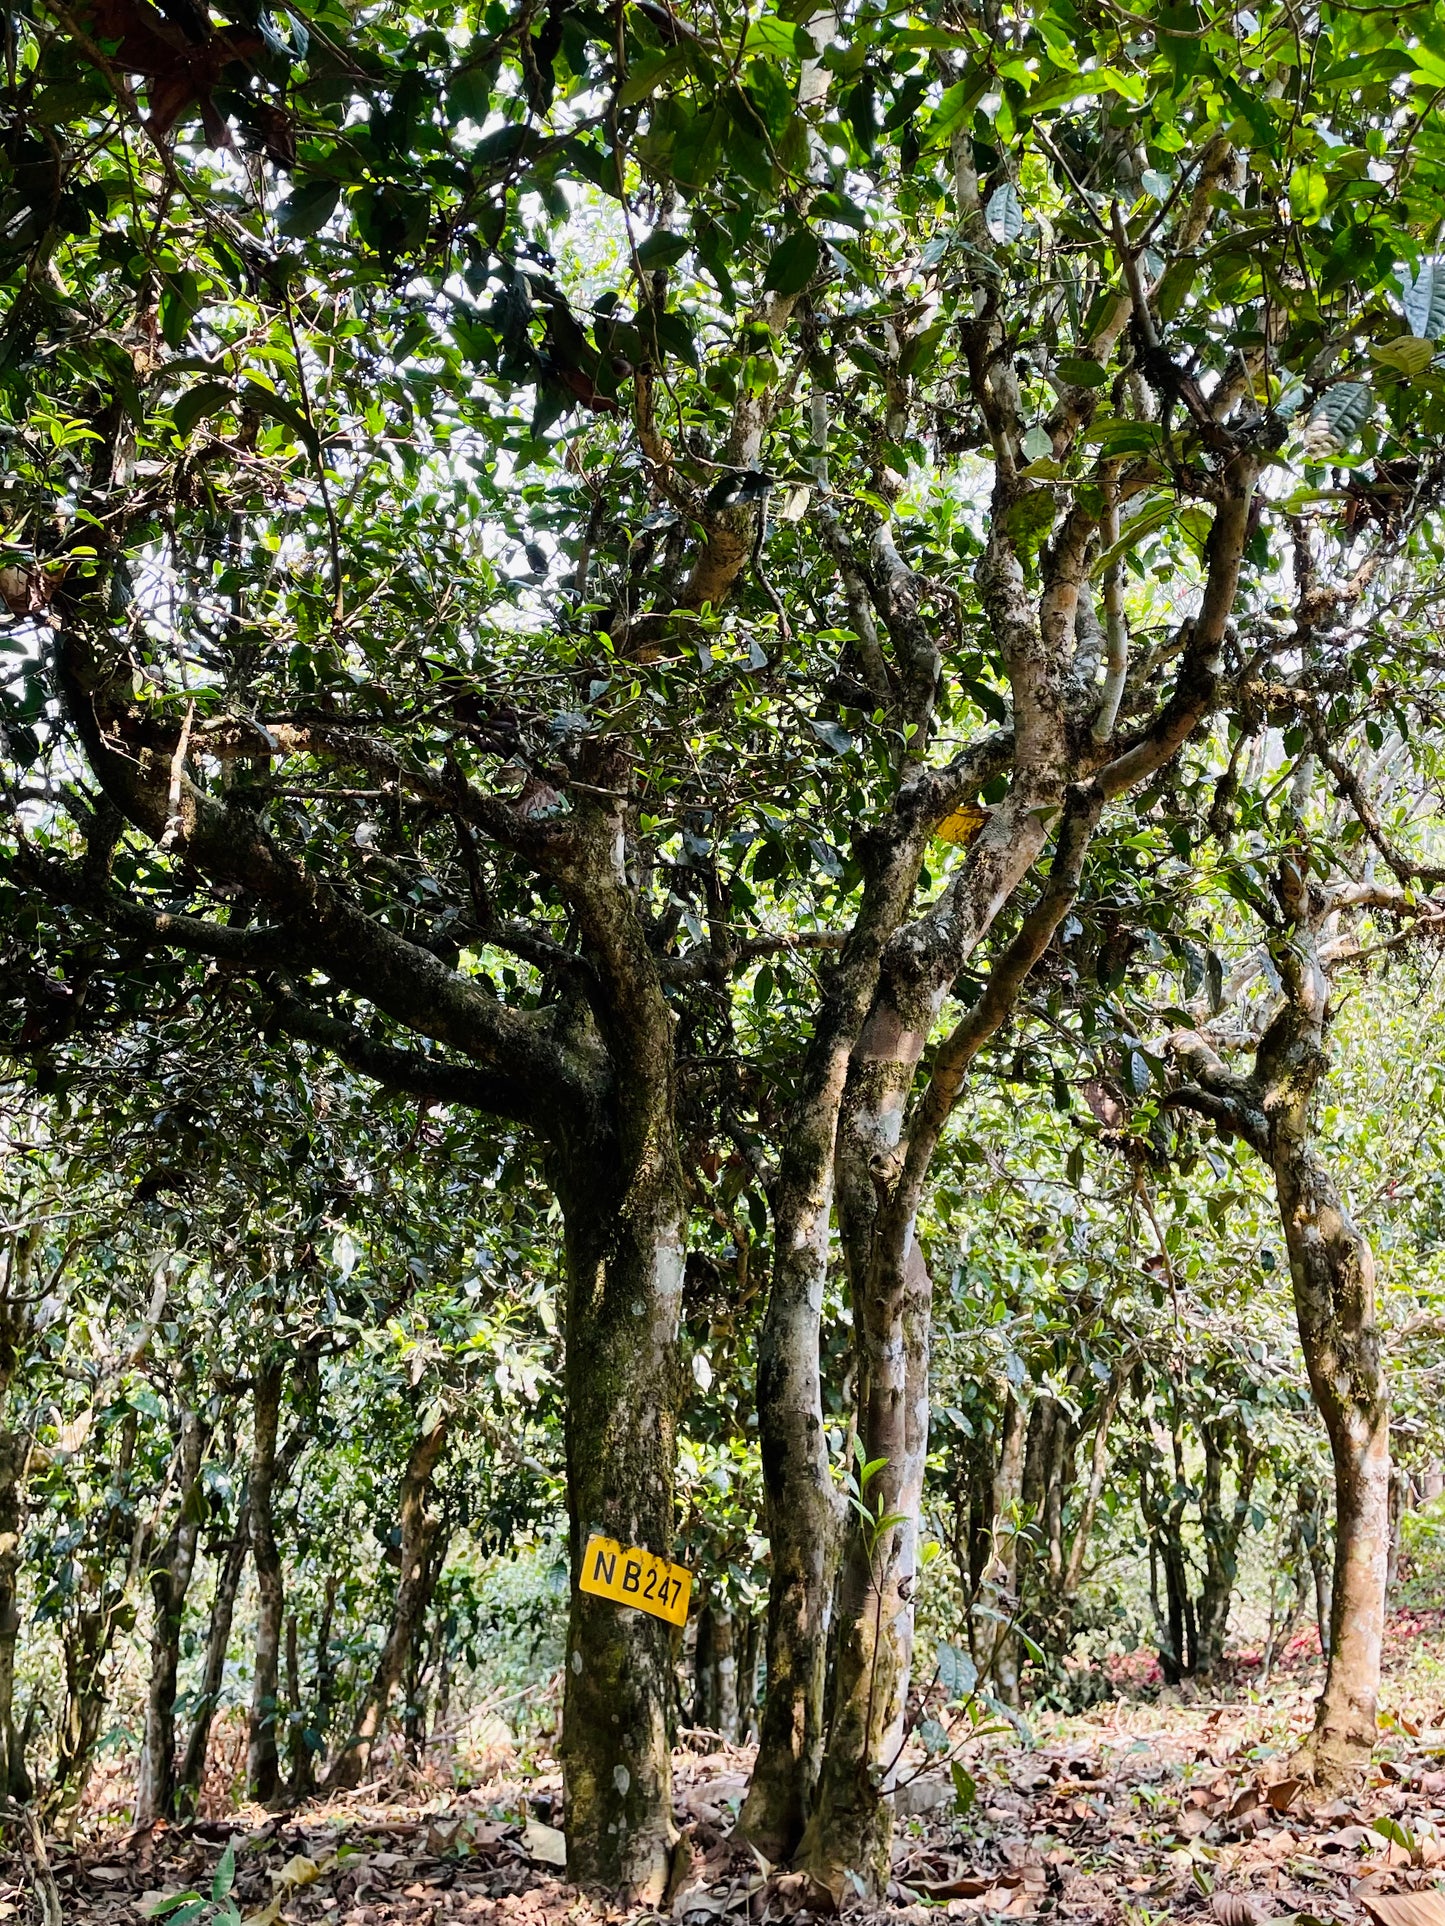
x=636, y=1578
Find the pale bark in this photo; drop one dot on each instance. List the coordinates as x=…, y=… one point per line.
x=715, y=1672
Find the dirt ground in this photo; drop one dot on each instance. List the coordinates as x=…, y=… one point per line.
x=1138, y=1812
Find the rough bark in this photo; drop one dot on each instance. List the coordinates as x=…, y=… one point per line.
x=263, y=1765
x=851, y=1826
x=170, y=1580
x=624, y=1271
x=1333, y=1274
x=420, y=1528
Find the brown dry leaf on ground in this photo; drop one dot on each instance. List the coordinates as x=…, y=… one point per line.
x=1128, y=1816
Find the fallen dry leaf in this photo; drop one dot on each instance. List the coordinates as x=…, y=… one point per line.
x=1282, y=1794
x=1405, y=1909
x=1239, y=1909
x=546, y=1844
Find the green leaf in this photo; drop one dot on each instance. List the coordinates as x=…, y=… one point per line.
x=207, y=398
x=1083, y=374
x=957, y=1673
x=662, y=249
x=225, y=1874
x=270, y=403
x=650, y=73
x=311, y=205
x=794, y=263
x=1344, y=409
x=1004, y=213
x=965, y=1789
x=1408, y=353
x=1422, y=296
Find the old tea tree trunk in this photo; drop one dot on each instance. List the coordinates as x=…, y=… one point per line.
x=588, y=1070
x=1333, y=1273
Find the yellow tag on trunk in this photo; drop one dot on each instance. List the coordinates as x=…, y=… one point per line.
x=636, y=1578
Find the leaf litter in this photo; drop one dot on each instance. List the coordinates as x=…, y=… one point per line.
x=1131, y=1815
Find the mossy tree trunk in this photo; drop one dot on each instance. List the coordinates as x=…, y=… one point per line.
x=625, y=1258
x=1333, y=1275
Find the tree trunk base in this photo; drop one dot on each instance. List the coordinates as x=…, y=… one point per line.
x=846, y=1848
x=1332, y=1761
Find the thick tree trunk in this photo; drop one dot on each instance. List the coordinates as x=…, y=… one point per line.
x=419, y=1530
x=804, y=1519
x=218, y=1639
x=263, y=1764
x=170, y=1580
x=625, y=1256
x=851, y=1827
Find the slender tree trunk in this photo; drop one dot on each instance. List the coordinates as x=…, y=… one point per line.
x=14, y=1451
x=803, y=1509
x=300, y=1759
x=748, y=1639
x=1398, y=1497
x=419, y=1529
x=625, y=1257
x=1098, y=1472
x=1333, y=1271
x=715, y=1697
x=999, y=1590
x=218, y=1639
x=1223, y=1529
x=87, y=1640
x=170, y=1580
x=263, y=1764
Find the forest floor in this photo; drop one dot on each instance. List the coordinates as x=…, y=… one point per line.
x=1178, y=1807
